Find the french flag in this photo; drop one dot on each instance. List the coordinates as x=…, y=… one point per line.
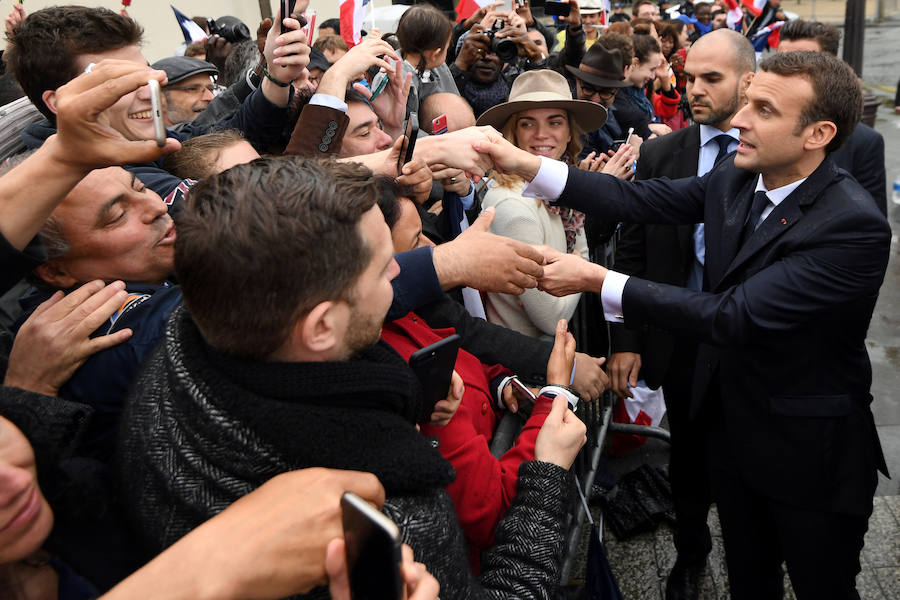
x=353, y=13
x=755, y=6
x=770, y=35
x=735, y=14
x=191, y=31
x=465, y=8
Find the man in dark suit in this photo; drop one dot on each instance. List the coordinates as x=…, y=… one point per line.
x=718, y=70
x=863, y=154
x=795, y=254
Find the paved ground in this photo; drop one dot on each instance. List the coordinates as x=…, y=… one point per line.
x=641, y=564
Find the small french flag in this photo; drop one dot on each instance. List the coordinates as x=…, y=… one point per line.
x=770, y=35
x=353, y=13
x=191, y=31
x=755, y=6
x=465, y=8
x=735, y=14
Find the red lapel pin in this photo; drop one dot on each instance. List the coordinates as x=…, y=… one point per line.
x=784, y=221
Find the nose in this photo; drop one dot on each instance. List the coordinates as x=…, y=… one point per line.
x=393, y=269
x=143, y=92
x=13, y=481
x=739, y=120
x=208, y=95
x=384, y=140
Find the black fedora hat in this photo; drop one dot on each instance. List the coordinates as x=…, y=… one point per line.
x=601, y=68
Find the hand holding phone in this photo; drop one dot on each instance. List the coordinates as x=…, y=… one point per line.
x=433, y=365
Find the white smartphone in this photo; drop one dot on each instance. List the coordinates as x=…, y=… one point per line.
x=159, y=124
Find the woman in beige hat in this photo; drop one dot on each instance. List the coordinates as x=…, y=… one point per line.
x=542, y=118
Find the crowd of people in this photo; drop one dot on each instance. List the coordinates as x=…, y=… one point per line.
x=207, y=338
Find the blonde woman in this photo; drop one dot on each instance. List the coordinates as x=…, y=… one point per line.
x=542, y=118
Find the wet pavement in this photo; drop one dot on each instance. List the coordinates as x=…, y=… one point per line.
x=642, y=563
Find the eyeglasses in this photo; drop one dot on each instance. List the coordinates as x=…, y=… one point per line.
x=590, y=91
x=191, y=88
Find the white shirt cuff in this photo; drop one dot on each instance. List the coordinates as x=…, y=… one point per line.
x=571, y=398
x=611, y=296
x=549, y=182
x=329, y=101
x=468, y=201
x=503, y=383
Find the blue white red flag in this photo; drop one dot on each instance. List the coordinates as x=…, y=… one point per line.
x=353, y=13
x=770, y=35
x=191, y=31
x=755, y=6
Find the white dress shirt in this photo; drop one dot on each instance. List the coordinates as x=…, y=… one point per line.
x=549, y=184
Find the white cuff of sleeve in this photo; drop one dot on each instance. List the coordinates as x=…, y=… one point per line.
x=468, y=201
x=500, y=388
x=555, y=390
x=329, y=101
x=549, y=182
x=611, y=296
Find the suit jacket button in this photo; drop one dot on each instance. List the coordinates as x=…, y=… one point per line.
x=326, y=139
x=323, y=147
x=332, y=124
x=484, y=408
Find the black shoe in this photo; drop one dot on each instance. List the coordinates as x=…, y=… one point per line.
x=685, y=579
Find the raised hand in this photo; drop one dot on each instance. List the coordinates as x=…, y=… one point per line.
x=487, y=262
x=590, y=379
x=55, y=340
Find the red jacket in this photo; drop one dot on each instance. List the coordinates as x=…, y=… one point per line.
x=485, y=486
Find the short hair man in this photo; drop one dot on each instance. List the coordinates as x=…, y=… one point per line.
x=718, y=70
x=863, y=154
x=189, y=87
x=54, y=45
x=795, y=255
x=290, y=371
x=719, y=19
x=330, y=27
x=645, y=9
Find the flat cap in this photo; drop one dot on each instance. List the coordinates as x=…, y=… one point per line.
x=178, y=68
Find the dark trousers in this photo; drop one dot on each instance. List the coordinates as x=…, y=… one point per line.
x=688, y=465
x=821, y=549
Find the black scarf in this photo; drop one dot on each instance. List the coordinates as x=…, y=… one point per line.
x=358, y=414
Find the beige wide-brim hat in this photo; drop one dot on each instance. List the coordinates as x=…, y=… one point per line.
x=544, y=88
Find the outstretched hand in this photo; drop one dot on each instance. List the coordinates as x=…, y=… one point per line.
x=83, y=139
x=486, y=261
x=55, y=340
x=562, y=357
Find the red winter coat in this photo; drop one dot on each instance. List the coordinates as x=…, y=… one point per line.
x=485, y=486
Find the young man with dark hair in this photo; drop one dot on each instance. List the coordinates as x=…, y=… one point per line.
x=54, y=45
x=289, y=371
x=645, y=9
x=795, y=254
x=863, y=154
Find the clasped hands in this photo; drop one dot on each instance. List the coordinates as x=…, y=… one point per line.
x=566, y=274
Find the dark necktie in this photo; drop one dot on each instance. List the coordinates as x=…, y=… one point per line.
x=760, y=202
x=722, y=140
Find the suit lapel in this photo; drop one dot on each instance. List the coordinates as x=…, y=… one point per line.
x=782, y=218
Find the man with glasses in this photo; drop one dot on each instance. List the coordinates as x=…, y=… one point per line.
x=190, y=87
x=598, y=79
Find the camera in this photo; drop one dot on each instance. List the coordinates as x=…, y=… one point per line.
x=506, y=50
x=230, y=28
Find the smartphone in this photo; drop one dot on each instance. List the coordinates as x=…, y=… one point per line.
x=439, y=125
x=411, y=131
x=287, y=7
x=433, y=366
x=374, y=557
x=554, y=8
x=523, y=389
x=159, y=124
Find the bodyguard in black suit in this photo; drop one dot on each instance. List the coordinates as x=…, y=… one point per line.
x=795, y=254
x=718, y=69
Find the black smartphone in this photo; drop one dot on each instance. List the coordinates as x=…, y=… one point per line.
x=287, y=7
x=372, y=544
x=411, y=131
x=433, y=365
x=554, y=8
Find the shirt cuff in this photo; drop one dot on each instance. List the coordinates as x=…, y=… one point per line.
x=329, y=101
x=555, y=390
x=503, y=383
x=611, y=296
x=468, y=201
x=549, y=182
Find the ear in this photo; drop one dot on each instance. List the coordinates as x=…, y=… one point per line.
x=54, y=273
x=49, y=98
x=819, y=135
x=323, y=328
x=432, y=54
